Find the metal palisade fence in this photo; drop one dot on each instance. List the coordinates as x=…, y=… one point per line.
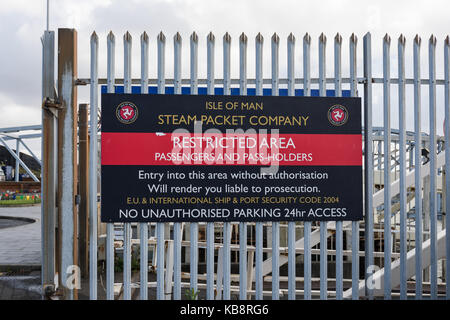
x=402, y=239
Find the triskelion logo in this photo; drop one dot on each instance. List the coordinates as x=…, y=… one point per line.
x=337, y=115
x=127, y=112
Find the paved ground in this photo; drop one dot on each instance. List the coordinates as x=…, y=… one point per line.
x=21, y=245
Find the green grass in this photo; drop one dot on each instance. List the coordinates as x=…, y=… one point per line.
x=18, y=202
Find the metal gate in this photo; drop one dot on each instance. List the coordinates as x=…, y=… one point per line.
x=403, y=256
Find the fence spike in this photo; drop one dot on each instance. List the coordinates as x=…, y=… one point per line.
x=111, y=36
x=291, y=38
x=94, y=37
x=275, y=38
x=307, y=38
x=402, y=39
x=417, y=39
x=243, y=38
x=353, y=38
x=432, y=40
x=194, y=37
x=144, y=37
x=447, y=41
x=338, y=38
x=161, y=37
x=177, y=37
x=227, y=37
x=127, y=36
x=211, y=37
x=387, y=38
x=323, y=38
x=259, y=38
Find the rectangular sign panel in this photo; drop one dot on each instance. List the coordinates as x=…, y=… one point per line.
x=172, y=158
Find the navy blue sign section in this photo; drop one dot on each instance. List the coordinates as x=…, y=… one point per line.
x=251, y=159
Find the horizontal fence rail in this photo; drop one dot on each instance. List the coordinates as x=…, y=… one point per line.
x=400, y=249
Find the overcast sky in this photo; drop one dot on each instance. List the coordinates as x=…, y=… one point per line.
x=22, y=23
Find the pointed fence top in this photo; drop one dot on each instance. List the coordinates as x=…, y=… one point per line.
x=94, y=36
x=259, y=38
x=432, y=40
x=243, y=38
x=161, y=37
x=210, y=37
x=417, y=40
x=275, y=38
x=194, y=37
x=338, y=38
x=111, y=36
x=227, y=37
x=127, y=37
x=177, y=37
x=144, y=37
x=291, y=37
x=307, y=38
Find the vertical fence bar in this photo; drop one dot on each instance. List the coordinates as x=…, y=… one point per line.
x=110, y=226
x=127, y=226
x=259, y=225
x=194, y=225
x=194, y=63
x=49, y=167
x=226, y=64
x=275, y=45
x=355, y=224
x=210, y=225
x=259, y=41
x=67, y=156
x=433, y=169
x=177, y=43
x=93, y=172
x=387, y=164
x=418, y=167
x=307, y=224
x=275, y=225
x=226, y=225
x=337, y=66
x=161, y=42
x=339, y=232
x=160, y=261
x=323, y=224
x=291, y=224
x=243, y=225
x=143, y=225
x=447, y=159
x=226, y=260
x=210, y=61
x=402, y=147
x=368, y=162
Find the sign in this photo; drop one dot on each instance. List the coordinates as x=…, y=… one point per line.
x=173, y=158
